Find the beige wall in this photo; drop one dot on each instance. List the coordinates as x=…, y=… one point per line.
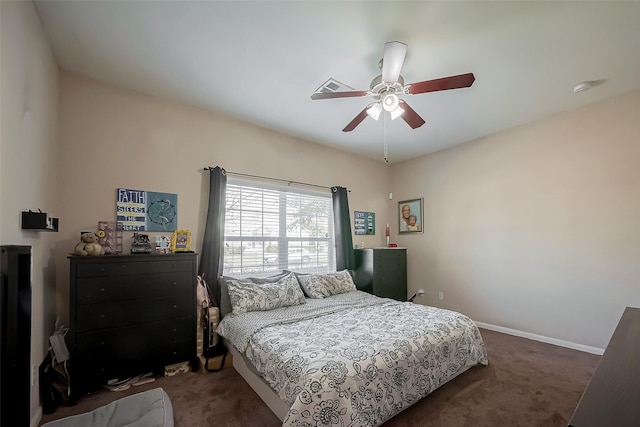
x=113, y=138
x=535, y=229
x=28, y=159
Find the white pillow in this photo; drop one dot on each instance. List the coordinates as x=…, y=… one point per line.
x=326, y=285
x=247, y=296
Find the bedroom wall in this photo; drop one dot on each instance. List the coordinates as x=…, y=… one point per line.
x=535, y=229
x=115, y=138
x=28, y=159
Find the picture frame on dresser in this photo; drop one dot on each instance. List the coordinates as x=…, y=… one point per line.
x=181, y=241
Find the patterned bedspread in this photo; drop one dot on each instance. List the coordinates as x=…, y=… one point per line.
x=354, y=359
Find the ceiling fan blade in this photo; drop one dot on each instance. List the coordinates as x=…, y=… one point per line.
x=445, y=83
x=410, y=116
x=392, y=61
x=356, y=121
x=331, y=95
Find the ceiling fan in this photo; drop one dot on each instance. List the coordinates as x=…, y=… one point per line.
x=386, y=87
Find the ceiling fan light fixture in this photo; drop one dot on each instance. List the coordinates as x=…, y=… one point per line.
x=374, y=110
x=581, y=87
x=397, y=112
x=390, y=101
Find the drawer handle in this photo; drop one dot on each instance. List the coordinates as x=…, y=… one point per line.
x=102, y=316
x=174, y=330
x=175, y=306
x=102, y=289
x=101, y=343
x=175, y=283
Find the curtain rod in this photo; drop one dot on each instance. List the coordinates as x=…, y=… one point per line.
x=272, y=179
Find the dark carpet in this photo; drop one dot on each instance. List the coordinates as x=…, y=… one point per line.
x=527, y=383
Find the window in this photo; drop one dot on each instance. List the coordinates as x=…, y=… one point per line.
x=272, y=228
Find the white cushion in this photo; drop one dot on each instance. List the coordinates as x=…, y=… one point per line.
x=151, y=408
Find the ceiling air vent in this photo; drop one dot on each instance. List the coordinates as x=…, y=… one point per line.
x=333, y=85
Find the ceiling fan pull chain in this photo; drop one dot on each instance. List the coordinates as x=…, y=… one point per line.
x=386, y=153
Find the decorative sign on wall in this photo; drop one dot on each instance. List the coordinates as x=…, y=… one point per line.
x=138, y=210
x=364, y=223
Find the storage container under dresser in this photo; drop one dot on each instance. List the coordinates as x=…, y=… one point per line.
x=130, y=315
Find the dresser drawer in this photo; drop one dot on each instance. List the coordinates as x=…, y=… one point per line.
x=391, y=259
x=99, y=269
x=127, y=340
x=110, y=315
x=134, y=350
x=101, y=370
x=114, y=288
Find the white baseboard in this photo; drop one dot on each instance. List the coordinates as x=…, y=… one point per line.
x=541, y=338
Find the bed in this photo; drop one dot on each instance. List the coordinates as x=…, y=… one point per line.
x=346, y=358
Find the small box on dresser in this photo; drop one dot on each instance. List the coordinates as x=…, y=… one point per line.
x=130, y=315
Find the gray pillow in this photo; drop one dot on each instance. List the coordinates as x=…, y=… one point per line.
x=309, y=294
x=247, y=296
x=326, y=285
x=223, y=282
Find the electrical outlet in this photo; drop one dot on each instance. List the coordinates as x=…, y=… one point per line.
x=34, y=375
x=420, y=292
x=441, y=296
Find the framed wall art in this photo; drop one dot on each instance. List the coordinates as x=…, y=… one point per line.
x=364, y=223
x=410, y=216
x=181, y=241
x=138, y=210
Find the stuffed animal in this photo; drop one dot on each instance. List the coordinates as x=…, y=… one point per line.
x=88, y=245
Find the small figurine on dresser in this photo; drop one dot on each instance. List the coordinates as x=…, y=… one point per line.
x=88, y=245
x=140, y=244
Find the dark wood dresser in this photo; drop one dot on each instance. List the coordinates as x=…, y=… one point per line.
x=130, y=315
x=612, y=397
x=382, y=272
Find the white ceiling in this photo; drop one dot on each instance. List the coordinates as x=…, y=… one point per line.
x=260, y=61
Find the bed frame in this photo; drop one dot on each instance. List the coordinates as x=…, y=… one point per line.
x=259, y=385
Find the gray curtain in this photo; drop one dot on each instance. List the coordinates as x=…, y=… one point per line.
x=345, y=258
x=211, y=259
